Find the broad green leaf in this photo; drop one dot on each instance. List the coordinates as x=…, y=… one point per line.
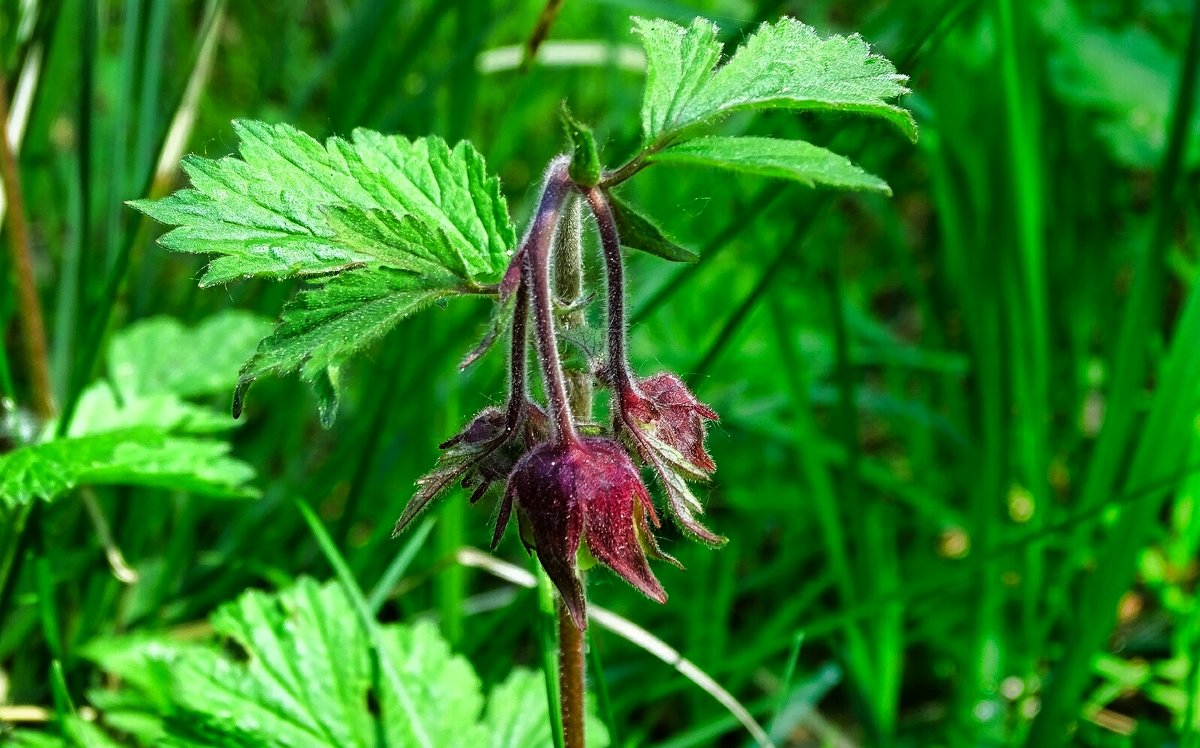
x=1125, y=79
x=638, y=232
x=291, y=206
x=137, y=456
x=297, y=670
x=325, y=324
x=138, y=431
x=161, y=355
x=784, y=65
x=101, y=409
x=769, y=157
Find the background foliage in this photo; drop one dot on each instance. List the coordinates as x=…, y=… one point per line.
x=957, y=450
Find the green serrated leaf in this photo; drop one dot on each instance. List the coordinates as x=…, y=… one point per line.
x=784, y=159
x=638, y=232
x=303, y=676
x=784, y=65
x=291, y=206
x=136, y=456
x=330, y=321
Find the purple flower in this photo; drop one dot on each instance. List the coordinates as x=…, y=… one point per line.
x=585, y=489
x=666, y=424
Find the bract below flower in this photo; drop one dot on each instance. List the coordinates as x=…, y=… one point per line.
x=479, y=455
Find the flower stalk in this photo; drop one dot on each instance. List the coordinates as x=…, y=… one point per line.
x=578, y=490
x=537, y=275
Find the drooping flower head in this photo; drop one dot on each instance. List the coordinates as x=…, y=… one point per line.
x=585, y=490
x=666, y=425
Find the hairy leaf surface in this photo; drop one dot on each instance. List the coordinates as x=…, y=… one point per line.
x=291, y=206
x=393, y=223
x=784, y=65
x=330, y=321
x=769, y=157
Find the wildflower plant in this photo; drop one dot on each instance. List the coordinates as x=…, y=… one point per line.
x=381, y=226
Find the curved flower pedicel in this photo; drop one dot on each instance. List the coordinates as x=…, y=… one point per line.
x=659, y=415
x=572, y=488
x=492, y=443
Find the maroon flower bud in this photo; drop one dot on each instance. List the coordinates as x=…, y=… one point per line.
x=662, y=409
x=482, y=453
x=665, y=422
x=585, y=489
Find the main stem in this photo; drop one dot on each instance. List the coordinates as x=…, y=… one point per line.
x=563, y=237
x=568, y=288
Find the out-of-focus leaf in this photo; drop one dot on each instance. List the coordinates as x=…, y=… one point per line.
x=1127, y=76
x=139, y=431
x=306, y=679
x=161, y=355
x=138, y=456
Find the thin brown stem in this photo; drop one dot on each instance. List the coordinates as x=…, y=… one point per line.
x=537, y=275
x=518, y=387
x=33, y=329
x=540, y=32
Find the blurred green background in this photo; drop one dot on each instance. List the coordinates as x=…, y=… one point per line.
x=957, y=454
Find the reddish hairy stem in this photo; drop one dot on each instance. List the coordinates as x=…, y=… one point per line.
x=518, y=388
x=620, y=377
x=537, y=275
x=570, y=677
